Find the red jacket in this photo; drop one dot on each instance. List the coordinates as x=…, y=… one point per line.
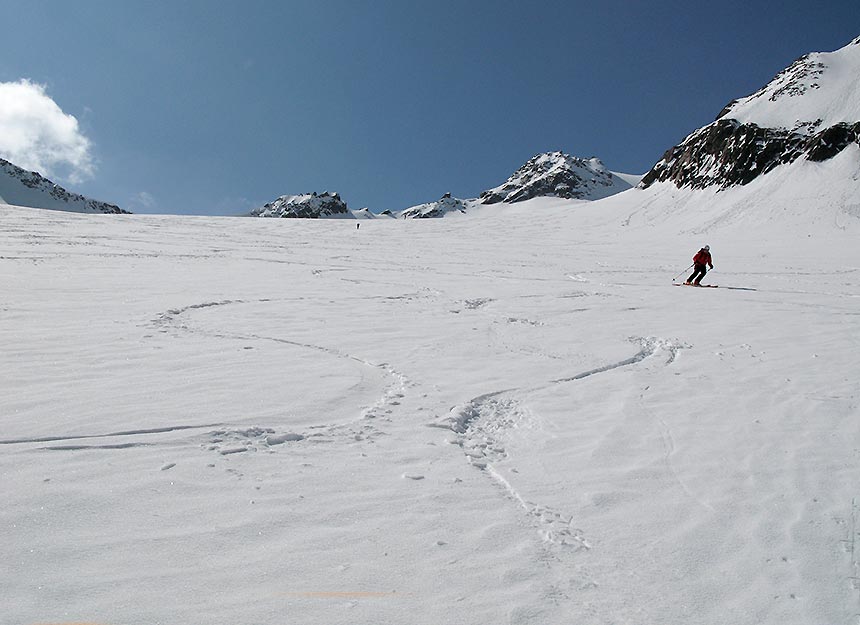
x=703, y=257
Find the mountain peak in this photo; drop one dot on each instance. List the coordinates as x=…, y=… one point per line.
x=308, y=205
x=816, y=91
x=557, y=174
x=809, y=110
x=441, y=207
x=29, y=188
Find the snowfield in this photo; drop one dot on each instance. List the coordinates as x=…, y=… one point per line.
x=509, y=416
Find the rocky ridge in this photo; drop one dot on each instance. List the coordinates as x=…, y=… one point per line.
x=809, y=110
x=441, y=207
x=29, y=188
x=307, y=206
x=557, y=174
x=728, y=153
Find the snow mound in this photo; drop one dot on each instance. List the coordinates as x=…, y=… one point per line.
x=441, y=207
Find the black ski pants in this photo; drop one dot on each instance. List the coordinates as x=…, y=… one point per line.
x=699, y=272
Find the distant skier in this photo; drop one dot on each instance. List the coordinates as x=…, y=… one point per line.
x=702, y=258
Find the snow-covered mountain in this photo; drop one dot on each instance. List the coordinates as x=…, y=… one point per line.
x=309, y=206
x=20, y=187
x=366, y=213
x=441, y=207
x=552, y=174
x=556, y=174
x=810, y=110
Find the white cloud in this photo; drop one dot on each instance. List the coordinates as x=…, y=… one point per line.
x=142, y=202
x=145, y=200
x=36, y=134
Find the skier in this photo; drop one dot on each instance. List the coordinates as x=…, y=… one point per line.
x=702, y=258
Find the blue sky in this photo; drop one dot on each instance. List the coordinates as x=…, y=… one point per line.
x=216, y=107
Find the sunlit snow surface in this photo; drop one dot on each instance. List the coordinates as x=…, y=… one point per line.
x=510, y=416
x=817, y=91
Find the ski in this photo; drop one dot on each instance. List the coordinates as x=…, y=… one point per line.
x=698, y=286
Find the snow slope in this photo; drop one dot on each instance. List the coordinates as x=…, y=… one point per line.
x=511, y=417
x=25, y=188
x=440, y=208
x=801, y=199
x=818, y=90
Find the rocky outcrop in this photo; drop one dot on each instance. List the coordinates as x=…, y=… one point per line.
x=828, y=143
x=307, y=206
x=728, y=153
x=29, y=188
x=556, y=174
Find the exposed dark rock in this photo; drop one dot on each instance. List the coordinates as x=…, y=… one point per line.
x=724, y=153
x=726, y=109
x=307, y=206
x=556, y=174
x=830, y=142
x=727, y=153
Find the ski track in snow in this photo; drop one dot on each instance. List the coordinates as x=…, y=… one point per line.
x=52, y=439
x=227, y=439
x=238, y=440
x=481, y=422
x=669, y=447
x=522, y=545
x=849, y=545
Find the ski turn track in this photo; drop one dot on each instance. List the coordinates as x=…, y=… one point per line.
x=175, y=319
x=481, y=422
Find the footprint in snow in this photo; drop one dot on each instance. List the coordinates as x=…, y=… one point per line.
x=231, y=441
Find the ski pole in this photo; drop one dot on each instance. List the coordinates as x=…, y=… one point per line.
x=683, y=272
